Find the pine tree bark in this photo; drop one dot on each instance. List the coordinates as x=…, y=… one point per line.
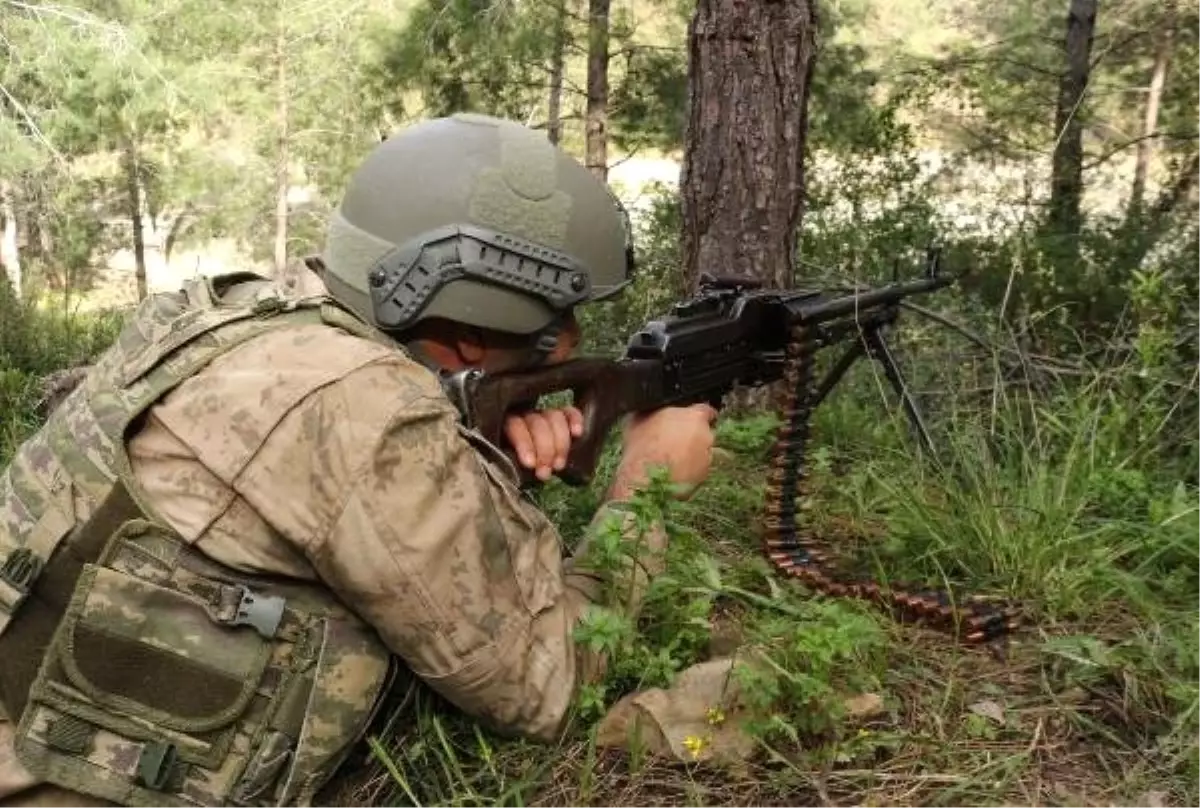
x=1066, y=173
x=1145, y=150
x=742, y=181
x=557, y=60
x=133, y=198
x=10, y=253
x=596, y=124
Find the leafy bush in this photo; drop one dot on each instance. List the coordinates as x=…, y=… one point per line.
x=34, y=341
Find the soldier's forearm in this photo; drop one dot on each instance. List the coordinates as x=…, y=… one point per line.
x=623, y=486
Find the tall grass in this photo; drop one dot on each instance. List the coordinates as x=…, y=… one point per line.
x=37, y=338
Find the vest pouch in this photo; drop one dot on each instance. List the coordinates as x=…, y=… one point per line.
x=151, y=692
x=352, y=671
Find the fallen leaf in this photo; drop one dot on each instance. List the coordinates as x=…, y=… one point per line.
x=989, y=709
x=1153, y=799
x=864, y=705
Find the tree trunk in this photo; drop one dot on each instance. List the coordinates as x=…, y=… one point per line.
x=281, y=150
x=596, y=129
x=742, y=181
x=182, y=222
x=557, y=58
x=10, y=254
x=1158, y=222
x=39, y=233
x=133, y=198
x=1145, y=149
x=1066, y=173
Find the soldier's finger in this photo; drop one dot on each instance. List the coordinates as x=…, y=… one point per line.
x=708, y=411
x=574, y=420
x=519, y=437
x=543, y=443
x=562, y=436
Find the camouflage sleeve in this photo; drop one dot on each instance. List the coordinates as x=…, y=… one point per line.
x=461, y=575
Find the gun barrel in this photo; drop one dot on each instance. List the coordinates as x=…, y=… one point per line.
x=808, y=308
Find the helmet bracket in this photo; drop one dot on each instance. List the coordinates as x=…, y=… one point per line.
x=405, y=280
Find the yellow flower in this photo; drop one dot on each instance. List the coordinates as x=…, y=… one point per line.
x=695, y=745
x=716, y=716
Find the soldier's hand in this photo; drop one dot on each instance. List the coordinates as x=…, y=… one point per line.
x=541, y=439
x=680, y=438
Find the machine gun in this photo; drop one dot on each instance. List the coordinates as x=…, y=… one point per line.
x=735, y=334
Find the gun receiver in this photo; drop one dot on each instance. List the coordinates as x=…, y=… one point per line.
x=729, y=334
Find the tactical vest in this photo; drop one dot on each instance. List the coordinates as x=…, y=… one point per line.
x=140, y=670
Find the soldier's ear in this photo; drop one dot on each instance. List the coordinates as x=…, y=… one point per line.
x=471, y=346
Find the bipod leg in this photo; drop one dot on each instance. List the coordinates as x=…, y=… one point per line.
x=835, y=374
x=880, y=351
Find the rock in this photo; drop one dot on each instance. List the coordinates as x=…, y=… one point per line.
x=696, y=719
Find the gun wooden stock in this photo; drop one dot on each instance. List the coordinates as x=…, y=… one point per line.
x=604, y=390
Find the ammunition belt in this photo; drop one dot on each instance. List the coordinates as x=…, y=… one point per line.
x=797, y=555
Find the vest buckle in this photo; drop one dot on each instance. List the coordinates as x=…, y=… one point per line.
x=157, y=764
x=263, y=613
x=19, y=571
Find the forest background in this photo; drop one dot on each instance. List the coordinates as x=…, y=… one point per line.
x=1048, y=146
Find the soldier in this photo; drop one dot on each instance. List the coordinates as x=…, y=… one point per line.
x=259, y=506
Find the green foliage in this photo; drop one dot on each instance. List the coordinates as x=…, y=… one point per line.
x=466, y=56
x=70, y=223
x=871, y=209
x=1018, y=84
x=1152, y=673
x=650, y=101
x=430, y=755
x=35, y=341
x=999, y=101
x=800, y=660
x=801, y=665
x=192, y=101
x=658, y=281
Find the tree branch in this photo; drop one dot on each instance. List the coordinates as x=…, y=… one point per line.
x=1108, y=155
x=30, y=122
x=1111, y=47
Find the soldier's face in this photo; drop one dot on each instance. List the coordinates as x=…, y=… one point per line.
x=496, y=359
x=568, y=341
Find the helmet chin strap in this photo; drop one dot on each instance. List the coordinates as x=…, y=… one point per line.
x=547, y=341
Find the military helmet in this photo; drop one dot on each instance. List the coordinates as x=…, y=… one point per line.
x=477, y=220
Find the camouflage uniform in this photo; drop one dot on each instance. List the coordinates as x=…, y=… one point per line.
x=318, y=466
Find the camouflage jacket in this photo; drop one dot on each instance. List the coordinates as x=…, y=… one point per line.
x=317, y=466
